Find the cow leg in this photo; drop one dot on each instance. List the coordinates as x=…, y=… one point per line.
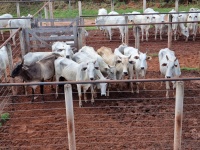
x=42, y=90
x=167, y=89
x=108, y=92
x=156, y=31
x=92, y=94
x=142, y=34
x=161, y=34
x=137, y=84
x=130, y=68
x=2, y=35
x=33, y=95
x=79, y=95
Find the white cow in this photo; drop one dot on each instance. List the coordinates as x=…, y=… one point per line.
x=100, y=19
x=123, y=62
x=169, y=66
x=63, y=49
x=140, y=64
x=110, y=58
x=4, y=62
x=192, y=27
x=140, y=19
x=19, y=23
x=182, y=17
x=174, y=25
x=115, y=20
x=90, y=52
x=72, y=71
x=81, y=57
x=4, y=23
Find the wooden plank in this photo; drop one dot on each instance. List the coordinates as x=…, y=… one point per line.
x=40, y=45
x=58, y=38
x=50, y=31
x=27, y=40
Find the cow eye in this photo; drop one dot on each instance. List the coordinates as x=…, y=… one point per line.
x=60, y=50
x=83, y=69
x=175, y=65
x=118, y=61
x=97, y=68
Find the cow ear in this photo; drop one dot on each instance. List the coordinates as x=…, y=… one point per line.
x=148, y=58
x=164, y=64
x=136, y=57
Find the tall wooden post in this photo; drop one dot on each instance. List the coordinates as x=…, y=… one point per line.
x=51, y=11
x=18, y=9
x=178, y=114
x=80, y=29
x=46, y=12
x=112, y=5
x=176, y=5
x=144, y=5
x=126, y=30
x=137, y=37
x=70, y=117
x=170, y=32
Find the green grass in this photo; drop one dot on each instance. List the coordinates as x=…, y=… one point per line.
x=153, y=54
x=189, y=69
x=4, y=117
x=62, y=10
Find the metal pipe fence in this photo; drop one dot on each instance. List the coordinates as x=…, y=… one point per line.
x=142, y=121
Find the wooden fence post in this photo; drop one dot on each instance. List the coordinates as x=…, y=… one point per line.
x=18, y=9
x=178, y=114
x=22, y=42
x=144, y=5
x=80, y=37
x=70, y=116
x=137, y=37
x=176, y=5
x=46, y=12
x=126, y=31
x=112, y=5
x=170, y=32
x=51, y=11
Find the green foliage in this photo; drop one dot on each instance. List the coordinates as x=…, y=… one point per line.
x=153, y=54
x=189, y=69
x=5, y=117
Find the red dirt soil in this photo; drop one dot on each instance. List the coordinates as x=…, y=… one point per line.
x=122, y=121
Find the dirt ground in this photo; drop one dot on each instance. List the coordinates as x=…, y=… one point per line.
x=122, y=121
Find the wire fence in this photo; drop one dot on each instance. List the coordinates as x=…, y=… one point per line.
x=137, y=121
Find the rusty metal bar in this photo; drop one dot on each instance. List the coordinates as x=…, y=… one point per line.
x=140, y=14
x=41, y=8
x=100, y=81
x=70, y=117
x=6, y=41
x=138, y=24
x=178, y=114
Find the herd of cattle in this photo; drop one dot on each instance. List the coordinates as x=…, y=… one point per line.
x=88, y=64
x=179, y=27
